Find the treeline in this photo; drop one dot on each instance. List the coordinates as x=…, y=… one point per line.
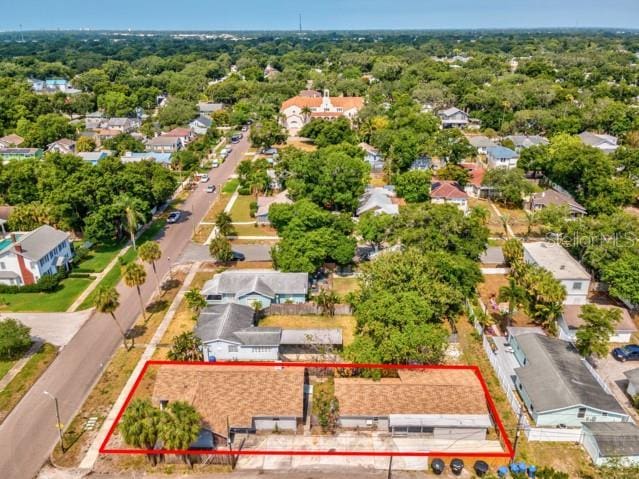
x=71, y=194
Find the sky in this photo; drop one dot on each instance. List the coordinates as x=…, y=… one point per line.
x=316, y=15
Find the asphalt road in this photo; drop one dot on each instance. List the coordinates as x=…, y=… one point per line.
x=29, y=433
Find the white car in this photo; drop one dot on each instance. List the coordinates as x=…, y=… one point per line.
x=210, y=188
x=204, y=178
x=216, y=164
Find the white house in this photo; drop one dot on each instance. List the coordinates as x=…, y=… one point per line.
x=612, y=443
x=11, y=141
x=184, y=135
x=378, y=200
x=601, y=141
x=501, y=157
x=633, y=382
x=300, y=110
x=163, y=144
x=475, y=187
x=26, y=257
x=563, y=267
x=570, y=322
x=449, y=192
x=250, y=286
x=373, y=157
x=453, y=118
x=201, y=125
x=64, y=146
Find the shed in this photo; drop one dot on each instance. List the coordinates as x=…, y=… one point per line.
x=616, y=442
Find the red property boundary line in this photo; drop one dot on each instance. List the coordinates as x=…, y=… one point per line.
x=508, y=454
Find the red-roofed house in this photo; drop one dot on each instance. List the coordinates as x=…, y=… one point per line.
x=299, y=110
x=184, y=135
x=474, y=186
x=446, y=191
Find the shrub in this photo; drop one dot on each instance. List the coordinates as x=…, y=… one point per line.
x=80, y=274
x=46, y=284
x=244, y=191
x=14, y=339
x=253, y=208
x=81, y=253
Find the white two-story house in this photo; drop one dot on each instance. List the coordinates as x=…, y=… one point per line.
x=26, y=257
x=501, y=157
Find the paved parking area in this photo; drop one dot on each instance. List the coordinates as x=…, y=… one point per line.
x=612, y=371
x=54, y=328
x=356, y=442
x=197, y=252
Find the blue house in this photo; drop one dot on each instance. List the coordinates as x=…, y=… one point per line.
x=556, y=385
x=251, y=286
x=373, y=157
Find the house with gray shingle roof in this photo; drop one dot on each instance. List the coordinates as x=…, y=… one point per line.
x=251, y=286
x=556, y=385
x=453, y=118
x=612, y=443
x=26, y=257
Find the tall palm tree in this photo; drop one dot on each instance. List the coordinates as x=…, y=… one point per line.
x=224, y=224
x=306, y=113
x=505, y=223
x=140, y=425
x=220, y=249
x=134, y=275
x=107, y=300
x=150, y=252
x=132, y=215
x=531, y=220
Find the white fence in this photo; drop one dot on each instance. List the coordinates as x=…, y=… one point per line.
x=553, y=434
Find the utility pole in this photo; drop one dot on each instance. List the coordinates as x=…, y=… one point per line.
x=300, y=15
x=517, y=432
x=57, y=415
x=390, y=467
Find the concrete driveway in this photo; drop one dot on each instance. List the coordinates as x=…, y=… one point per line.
x=54, y=328
x=197, y=252
x=612, y=371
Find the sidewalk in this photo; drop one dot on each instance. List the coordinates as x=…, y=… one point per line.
x=508, y=228
x=94, y=450
x=98, y=278
x=17, y=367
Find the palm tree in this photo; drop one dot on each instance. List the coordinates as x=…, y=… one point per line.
x=514, y=294
x=220, y=249
x=306, y=113
x=505, y=223
x=132, y=215
x=195, y=300
x=179, y=427
x=531, y=220
x=224, y=224
x=134, y=275
x=107, y=301
x=140, y=425
x=150, y=252
x=326, y=300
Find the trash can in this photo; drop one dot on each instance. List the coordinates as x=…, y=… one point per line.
x=437, y=465
x=532, y=470
x=502, y=471
x=456, y=466
x=481, y=468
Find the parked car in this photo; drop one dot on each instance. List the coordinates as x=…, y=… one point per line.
x=215, y=164
x=210, y=188
x=630, y=352
x=245, y=128
x=174, y=217
x=236, y=138
x=204, y=178
x=237, y=256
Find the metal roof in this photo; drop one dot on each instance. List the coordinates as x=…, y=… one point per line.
x=556, y=259
x=237, y=282
x=555, y=377
x=311, y=336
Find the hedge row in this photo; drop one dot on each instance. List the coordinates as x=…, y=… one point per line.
x=47, y=284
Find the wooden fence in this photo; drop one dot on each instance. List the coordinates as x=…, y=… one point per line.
x=295, y=309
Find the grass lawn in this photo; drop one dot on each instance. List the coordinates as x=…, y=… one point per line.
x=346, y=323
x=99, y=258
x=217, y=207
x=231, y=185
x=344, y=285
x=112, y=278
x=202, y=232
x=254, y=230
x=19, y=385
x=5, y=366
x=98, y=404
x=57, y=301
x=241, y=210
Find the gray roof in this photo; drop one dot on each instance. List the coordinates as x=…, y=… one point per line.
x=209, y=107
x=614, y=438
x=163, y=141
x=554, y=197
x=204, y=120
x=556, y=377
x=596, y=139
x=451, y=111
x=493, y=255
x=481, y=141
x=312, y=336
x=41, y=241
x=633, y=376
x=221, y=321
x=235, y=323
x=264, y=281
x=525, y=141
x=377, y=199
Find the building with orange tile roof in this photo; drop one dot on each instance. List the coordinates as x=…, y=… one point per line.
x=301, y=109
x=449, y=192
